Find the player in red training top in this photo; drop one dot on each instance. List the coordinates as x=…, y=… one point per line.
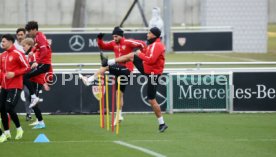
x=37, y=82
x=43, y=61
x=13, y=65
x=121, y=46
x=150, y=63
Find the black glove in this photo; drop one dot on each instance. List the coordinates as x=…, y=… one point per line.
x=100, y=35
x=104, y=60
x=136, y=50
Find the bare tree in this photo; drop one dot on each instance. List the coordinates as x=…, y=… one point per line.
x=79, y=14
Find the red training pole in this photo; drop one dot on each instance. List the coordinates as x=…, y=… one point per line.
x=9, y=120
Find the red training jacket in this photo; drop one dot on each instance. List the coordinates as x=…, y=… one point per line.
x=154, y=58
x=13, y=60
x=125, y=47
x=42, y=45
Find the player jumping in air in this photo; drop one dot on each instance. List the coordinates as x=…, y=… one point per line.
x=121, y=46
x=151, y=64
x=43, y=61
x=37, y=81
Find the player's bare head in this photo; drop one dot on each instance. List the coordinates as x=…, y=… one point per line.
x=23, y=30
x=32, y=28
x=7, y=41
x=20, y=34
x=27, y=43
x=117, y=34
x=31, y=25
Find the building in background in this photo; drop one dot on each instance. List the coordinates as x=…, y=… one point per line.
x=248, y=18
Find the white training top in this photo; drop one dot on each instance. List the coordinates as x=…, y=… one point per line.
x=17, y=46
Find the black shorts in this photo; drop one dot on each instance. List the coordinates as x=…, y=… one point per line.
x=9, y=98
x=152, y=79
x=139, y=64
x=40, y=69
x=152, y=86
x=119, y=70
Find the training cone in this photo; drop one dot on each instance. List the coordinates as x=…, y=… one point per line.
x=41, y=138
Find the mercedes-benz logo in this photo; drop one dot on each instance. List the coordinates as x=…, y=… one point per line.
x=76, y=43
x=161, y=99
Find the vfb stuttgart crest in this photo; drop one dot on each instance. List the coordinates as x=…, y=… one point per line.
x=124, y=47
x=10, y=58
x=181, y=41
x=97, y=91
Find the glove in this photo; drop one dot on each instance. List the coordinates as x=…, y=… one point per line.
x=104, y=60
x=136, y=51
x=100, y=35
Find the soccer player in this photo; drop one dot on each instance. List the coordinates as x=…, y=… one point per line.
x=37, y=81
x=121, y=46
x=13, y=66
x=43, y=60
x=150, y=63
x=20, y=36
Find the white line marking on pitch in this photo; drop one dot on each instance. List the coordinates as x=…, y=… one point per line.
x=255, y=140
x=147, y=151
x=149, y=140
x=222, y=56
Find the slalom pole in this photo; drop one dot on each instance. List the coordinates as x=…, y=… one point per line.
x=9, y=120
x=103, y=101
x=113, y=104
x=118, y=106
x=107, y=103
x=100, y=99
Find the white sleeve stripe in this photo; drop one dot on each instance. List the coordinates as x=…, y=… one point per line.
x=135, y=42
x=42, y=46
x=152, y=49
x=21, y=58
